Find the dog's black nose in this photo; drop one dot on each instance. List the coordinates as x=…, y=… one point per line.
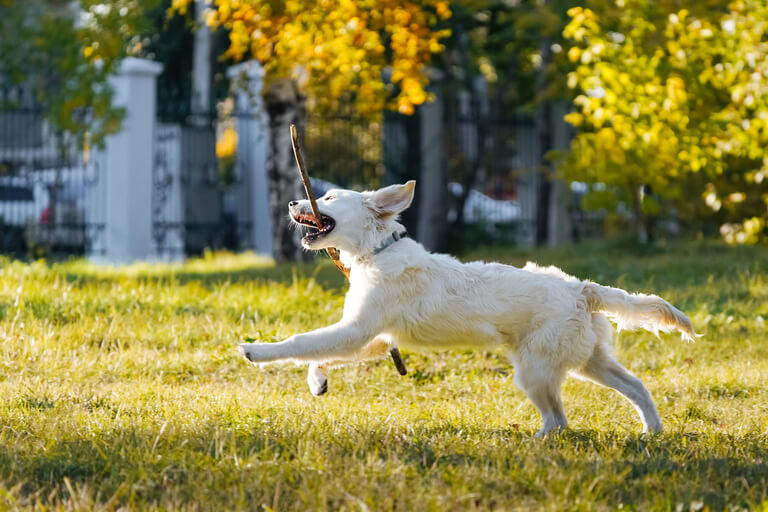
x=293, y=203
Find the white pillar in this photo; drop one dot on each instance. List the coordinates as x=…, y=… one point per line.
x=251, y=157
x=128, y=165
x=201, y=61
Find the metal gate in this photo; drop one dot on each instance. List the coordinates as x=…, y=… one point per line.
x=198, y=199
x=45, y=184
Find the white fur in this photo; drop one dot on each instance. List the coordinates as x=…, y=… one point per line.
x=549, y=323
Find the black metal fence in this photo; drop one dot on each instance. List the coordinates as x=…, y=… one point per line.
x=346, y=150
x=499, y=153
x=43, y=188
x=491, y=157
x=199, y=197
x=359, y=153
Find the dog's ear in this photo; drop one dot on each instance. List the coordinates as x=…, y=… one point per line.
x=393, y=199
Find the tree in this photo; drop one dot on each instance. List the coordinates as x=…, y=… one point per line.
x=62, y=54
x=676, y=99
x=515, y=47
x=331, y=52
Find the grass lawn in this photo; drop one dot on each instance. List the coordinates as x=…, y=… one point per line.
x=122, y=388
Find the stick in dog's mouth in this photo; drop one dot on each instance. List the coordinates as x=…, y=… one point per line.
x=322, y=227
x=332, y=251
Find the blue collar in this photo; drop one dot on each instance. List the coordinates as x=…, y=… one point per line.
x=394, y=237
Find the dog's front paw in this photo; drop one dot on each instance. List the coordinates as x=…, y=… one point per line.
x=250, y=351
x=243, y=349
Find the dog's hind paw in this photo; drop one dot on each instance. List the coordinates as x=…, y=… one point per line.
x=549, y=431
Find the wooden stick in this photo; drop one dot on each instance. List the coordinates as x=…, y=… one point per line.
x=332, y=252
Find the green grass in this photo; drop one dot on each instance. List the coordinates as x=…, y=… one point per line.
x=122, y=388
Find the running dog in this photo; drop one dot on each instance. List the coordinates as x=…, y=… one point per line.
x=549, y=323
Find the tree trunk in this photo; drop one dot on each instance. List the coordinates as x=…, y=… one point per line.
x=285, y=105
x=479, y=117
x=403, y=150
x=544, y=129
x=643, y=221
x=431, y=228
x=473, y=167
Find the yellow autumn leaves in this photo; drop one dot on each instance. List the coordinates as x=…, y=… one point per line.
x=338, y=49
x=658, y=100
x=226, y=144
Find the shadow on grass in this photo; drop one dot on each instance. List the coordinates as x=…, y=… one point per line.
x=217, y=461
x=322, y=271
x=657, y=267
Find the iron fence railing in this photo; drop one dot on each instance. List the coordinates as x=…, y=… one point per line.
x=43, y=188
x=44, y=178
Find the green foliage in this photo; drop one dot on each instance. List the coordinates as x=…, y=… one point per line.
x=600, y=200
x=64, y=53
x=674, y=98
x=121, y=389
x=504, y=44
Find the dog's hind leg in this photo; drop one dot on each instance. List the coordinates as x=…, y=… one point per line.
x=603, y=369
x=541, y=384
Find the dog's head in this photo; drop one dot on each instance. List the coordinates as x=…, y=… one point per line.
x=355, y=222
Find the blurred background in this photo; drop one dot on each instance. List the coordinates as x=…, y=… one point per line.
x=158, y=129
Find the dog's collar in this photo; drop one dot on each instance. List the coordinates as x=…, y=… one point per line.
x=392, y=238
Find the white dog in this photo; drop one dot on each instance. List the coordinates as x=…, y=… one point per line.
x=548, y=322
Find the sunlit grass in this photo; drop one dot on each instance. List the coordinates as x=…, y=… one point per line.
x=121, y=387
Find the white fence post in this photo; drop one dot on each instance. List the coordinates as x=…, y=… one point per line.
x=126, y=180
x=251, y=156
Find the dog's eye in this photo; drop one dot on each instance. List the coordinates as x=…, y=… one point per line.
x=329, y=198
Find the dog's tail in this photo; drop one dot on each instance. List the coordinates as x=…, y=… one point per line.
x=637, y=310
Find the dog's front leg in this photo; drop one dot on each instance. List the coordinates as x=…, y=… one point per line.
x=338, y=341
x=317, y=373
x=317, y=378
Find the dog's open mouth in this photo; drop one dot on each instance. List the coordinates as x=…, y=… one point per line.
x=310, y=221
